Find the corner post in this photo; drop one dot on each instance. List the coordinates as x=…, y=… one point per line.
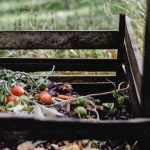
x=145, y=107
x=120, y=72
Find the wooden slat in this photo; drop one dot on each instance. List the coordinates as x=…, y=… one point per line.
x=135, y=99
x=58, y=39
x=26, y=127
x=119, y=72
x=92, y=88
x=135, y=58
x=89, y=88
x=32, y=64
x=82, y=78
x=146, y=76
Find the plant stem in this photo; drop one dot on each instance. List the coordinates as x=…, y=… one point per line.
x=37, y=86
x=101, y=94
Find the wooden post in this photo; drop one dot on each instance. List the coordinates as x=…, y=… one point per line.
x=145, y=95
x=146, y=76
x=119, y=72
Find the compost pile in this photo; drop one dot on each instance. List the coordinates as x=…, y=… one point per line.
x=23, y=93
x=27, y=94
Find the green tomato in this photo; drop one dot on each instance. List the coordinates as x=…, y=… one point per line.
x=10, y=105
x=82, y=101
x=80, y=111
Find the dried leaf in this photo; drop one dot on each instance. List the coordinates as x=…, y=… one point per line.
x=38, y=148
x=38, y=142
x=25, y=146
x=50, y=112
x=17, y=109
x=37, y=111
x=71, y=147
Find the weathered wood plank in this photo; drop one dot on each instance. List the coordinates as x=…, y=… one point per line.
x=58, y=129
x=92, y=88
x=33, y=64
x=58, y=39
x=146, y=75
x=135, y=98
x=89, y=88
x=135, y=58
x=121, y=42
x=82, y=78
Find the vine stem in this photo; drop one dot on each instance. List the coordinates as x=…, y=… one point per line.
x=90, y=95
x=44, y=79
x=101, y=94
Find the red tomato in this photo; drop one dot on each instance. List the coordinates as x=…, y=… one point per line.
x=45, y=97
x=17, y=90
x=11, y=98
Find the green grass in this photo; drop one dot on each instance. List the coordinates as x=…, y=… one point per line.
x=66, y=15
x=53, y=14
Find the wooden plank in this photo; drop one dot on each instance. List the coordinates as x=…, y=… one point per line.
x=33, y=64
x=146, y=76
x=92, y=88
x=59, y=39
x=135, y=98
x=29, y=128
x=82, y=78
x=119, y=72
x=135, y=58
x=89, y=88
x=134, y=64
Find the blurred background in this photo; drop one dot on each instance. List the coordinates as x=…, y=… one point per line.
x=70, y=15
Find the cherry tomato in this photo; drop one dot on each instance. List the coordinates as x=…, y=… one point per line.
x=10, y=98
x=17, y=90
x=81, y=111
x=45, y=97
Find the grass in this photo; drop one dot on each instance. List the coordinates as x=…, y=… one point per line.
x=50, y=15
x=65, y=15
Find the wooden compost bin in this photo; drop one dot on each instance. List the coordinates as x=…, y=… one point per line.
x=128, y=66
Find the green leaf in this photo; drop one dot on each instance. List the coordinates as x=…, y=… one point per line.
x=25, y=99
x=121, y=99
x=42, y=83
x=109, y=105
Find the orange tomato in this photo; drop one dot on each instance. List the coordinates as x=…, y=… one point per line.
x=45, y=97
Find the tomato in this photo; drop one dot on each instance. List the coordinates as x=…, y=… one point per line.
x=17, y=90
x=81, y=111
x=82, y=101
x=45, y=97
x=10, y=98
